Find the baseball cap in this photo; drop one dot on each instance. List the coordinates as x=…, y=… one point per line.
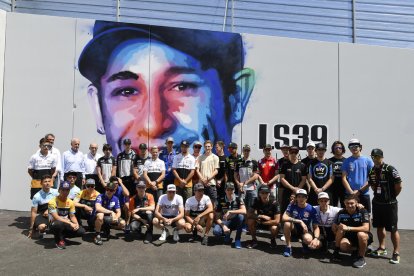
x=198, y=186
x=90, y=181
x=377, y=152
x=268, y=146
x=111, y=185
x=264, y=189
x=185, y=143
x=64, y=185
x=310, y=144
x=127, y=141
x=171, y=188
x=169, y=139
x=140, y=184
x=323, y=195
x=246, y=147
x=301, y=192
x=233, y=145
x=71, y=173
x=320, y=146
x=285, y=146
x=198, y=143
x=229, y=185
x=142, y=146
x=293, y=149
x=354, y=142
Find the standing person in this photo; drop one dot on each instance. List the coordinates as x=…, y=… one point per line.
x=352, y=231
x=320, y=175
x=63, y=222
x=386, y=184
x=139, y=161
x=85, y=203
x=196, y=153
x=338, y=190
x=280, y=162
x=154, y=173
x=292, y=177
x=221, y=175
x=124, y=166
x=56, y=152
x=183, y=170
x=73, y=160
x=105, y=167
x=41, y=163
x=91, y=159
x=355, y=171
x=310, y=149
x=167, y=155
x=231, y=163
x=207, y=166
x=245, y=177
x=269, y=171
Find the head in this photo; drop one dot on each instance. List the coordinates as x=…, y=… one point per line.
x=198, y=190
x=338, y=148
x=74, y=144
x=115, y=181
x=90, y=184
x=64, y=190
x=232, y=149
x=320, y=150
x=301, y=197
x=199, y=84
x=169, y=143
x=46, y=182
x=93, y=148
x=140, y=187
x=351, y=202
x=264, y=193
x=310, y=149
x=196, y=148
x=184, y=147
x=293, y=153
x=246, y=151
x=219, y=147
x=107, y=150
x=71, y=177
x=377, y=156
x=45, y=146
x=127, y=144
x=285, y=150
x=171, y=189
x=110, y=189
x=50, y=138
x=355, y=147
x=208, y=146
x=154, y=152
x=267, y=151
x=142, y=149
x=229, y=189
x=323, y=200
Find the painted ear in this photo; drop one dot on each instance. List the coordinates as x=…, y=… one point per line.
x=245, y=80
x=96, y=108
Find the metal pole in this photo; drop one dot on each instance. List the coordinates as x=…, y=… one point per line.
x=118, y=10
x=225, y=15
x=232, y=16
x=353, y=22
x=13, y=5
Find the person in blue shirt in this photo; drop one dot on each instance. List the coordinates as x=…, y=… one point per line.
x=355, y=171
x=167, y=155
x=107, y=213
x=301, y=220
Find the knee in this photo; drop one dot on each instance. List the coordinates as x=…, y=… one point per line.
x=155, y=221
x=362, y=236
x=273, y=229
x=181, y=223
x=188, y=227
x=287, y=226
x=307, y=238
x=99, y=217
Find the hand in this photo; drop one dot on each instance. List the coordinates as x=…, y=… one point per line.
x=295, y=189
x=342, y=227
x=305, y=228
x=318, y=191
x=136, y=210
x=74, y=226
x=88, y=209
x=226, y=215
x=120, y=180
x=218, y=183
x=154, y=185
x=356, y=192
x=226, y=230
x=196, y=220
x=29, y=235
x=314, y=244
x=182, y=181
x=168, y=221
x=263, y=217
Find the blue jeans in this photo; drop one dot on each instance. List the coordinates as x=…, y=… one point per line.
x=234, y=223
x=249, y=197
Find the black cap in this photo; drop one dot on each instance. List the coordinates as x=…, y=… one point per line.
x=198, y=186
x=268, y=146
x=140, y=184
x=293, y=149
x=111, y=185
x=229, y=185
x=185, y=143
x=285, y=146
x=320, y=146
x=233, y=145
x=142, y=146
x=127, y=141
x=71, y=173
x=264, y=189
x=377, y=152
x=246, y=147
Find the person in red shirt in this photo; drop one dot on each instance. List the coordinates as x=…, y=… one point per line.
x=269, y=170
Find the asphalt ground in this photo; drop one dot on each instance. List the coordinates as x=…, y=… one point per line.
x=122, y=256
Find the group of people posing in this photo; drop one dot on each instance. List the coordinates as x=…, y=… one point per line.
x=202, y=192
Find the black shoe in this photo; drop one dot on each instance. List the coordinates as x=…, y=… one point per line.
x=336, y=257
x=193, y=238
x=273, y=243
x=127, y=229
x=107, y=233
x=61, y=245
x=98, y=240
x=148, y=237
x=205, y=240
x=359, y=263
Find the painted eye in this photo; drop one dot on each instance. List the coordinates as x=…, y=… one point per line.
x=126, y=92
x=184, y=86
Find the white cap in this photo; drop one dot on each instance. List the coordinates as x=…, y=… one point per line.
x=323, y=195
x=171, y=187
x=169, y=139
x=301, y=192
x=310, y=144
x=354, y=141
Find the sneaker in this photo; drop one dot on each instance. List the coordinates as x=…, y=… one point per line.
x=127, y=229
x=244, y=229
x=251, y=244
x=379, y=252
x=98, y=240
x=164, y=234
x=148, y=237
x=237, y=244
x=107, y=232
x=204, y=241
x=395, y=258
x=41, y=236
x=336, y=257
x=283, y=238
x=305, y=248
x=61, y=245
x=273, y=243
x=193, y=238
x=176, y=237
x=287, y=252
x=359, y=263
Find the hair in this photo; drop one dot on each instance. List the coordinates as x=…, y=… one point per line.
x=42, y=140
x=352, y=196
x=46, y=176
x=49, y=134
x=113, y=178
x=335, y=143
x=107, y=147
x=221, y=144
x=208, y=142
x=154, y=147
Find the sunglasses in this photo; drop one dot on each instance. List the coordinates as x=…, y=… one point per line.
x=90, y=186
x=111, y=190
x=353, y=147
x=337, y=147
x=197, y=147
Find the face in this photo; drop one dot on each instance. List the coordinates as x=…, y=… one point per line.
x=320, y=153
x=264, y=196
x=337, y=149
x=219, y=149
x=90, y=187
x=141, y=191
x=301, y=199
x=207, y=148
x=184, y=149
x=267, y=152
x=229, y=192
x=47, y=183
x=323, y=202
x=45, y=147
x=177, y=85
x=170, y=194
x=64, y=192
x=71, y=179
x=154, y=153
x=75, y=143
x=107, y=152
x=233, y=151
x=293, y=154
x=350, y=205
x=246, y=153
x=196, y=149
x=110, y=192
x=93, y=148
x=50, y=139
x=169, y=145
x=377, y=160
x=355, y=149
x=310, y=150
x=199, y=193
x=285, y=152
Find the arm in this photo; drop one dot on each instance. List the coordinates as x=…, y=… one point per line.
x=286, y=184
x=213, y=175
x=33, y=214
x=241, y=210
x=206, y=211
x=100, y=209
x=398, y=188
x=180, y=214
x=30, y=172
x=100, y=176
x=253, y=178
x=273, y=221
x=328, y=184
x=125, y=191
x=160, y=178
x=157, y=213
x=346, y=183
x=237, y=180
x=312, y=184
x=363, y=228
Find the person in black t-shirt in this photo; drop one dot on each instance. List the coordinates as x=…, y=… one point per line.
x=337, y=188
x=265, y=213
x=280, y=162
x=124, y=166
x=386, y=183
x=105, y=168
x=231, y=162
x=292, y=177
x=320, y=175
x=220, y=177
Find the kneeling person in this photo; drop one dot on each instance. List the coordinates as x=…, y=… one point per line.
x=265, y=213
x=199, y=214
x=85, y=203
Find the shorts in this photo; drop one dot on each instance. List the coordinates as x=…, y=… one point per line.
x=366, y=201
x=385, y=215
x=174, y=224
x=107, y=220
x=298, y=232
x=326, y=233
x=40, y=220
x=353, y=238
x=33, y=191
x=211, y=192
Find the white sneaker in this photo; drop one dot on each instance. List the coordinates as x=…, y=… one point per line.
x=282, y=238
x=176, y=237
x=164, y=235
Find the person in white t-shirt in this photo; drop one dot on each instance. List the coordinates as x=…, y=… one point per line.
x=154, y=174
x=199, y=214
x=169, y=213
x=207, y=166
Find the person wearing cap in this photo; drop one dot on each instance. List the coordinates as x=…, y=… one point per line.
x=167, y=155
x=311, y=155
x=141, y=211
x=71, y=178
x=351, y=229
x=39, y=211
x=231, y=163
x=281, y=161
x=229, y=216
x=139, y=161
x=125, y=164
x=183, y=169
x=41, y=163
x=169, y=212
x=220, y=177
x=205, y=102
x=207, y=166
x=198, y=213
x=264, y=213
x=122, y=193
x=355, y=171
x=154, y=173
x=269, y=170
x=107, y=213
x=73, y=160
x=245, y=177
x=91, y=160
x=85, y=203
x=338, y=190
x=105, y=168
x=386, y=184
x=301, y=220
x=196, y=153
x=292, y=177
x=320, y=176
x=62, y=219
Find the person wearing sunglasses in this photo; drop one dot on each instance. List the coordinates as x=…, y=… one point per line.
x=107, y=213
x=85, y=203
x=338, y=190
x=41, y=163
x=355, y=173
